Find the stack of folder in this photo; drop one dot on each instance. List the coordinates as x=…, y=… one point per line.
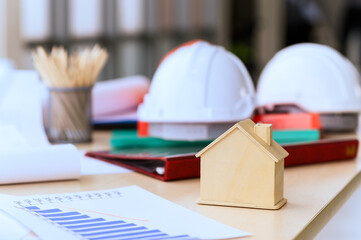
x=292, y=127
x=172, y=160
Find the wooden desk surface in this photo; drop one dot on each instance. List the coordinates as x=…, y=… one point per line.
x=314, y=194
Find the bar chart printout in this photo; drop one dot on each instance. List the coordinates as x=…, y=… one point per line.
x=125, y=213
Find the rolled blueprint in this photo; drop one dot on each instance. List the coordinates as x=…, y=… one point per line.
x=25, y=153
x=118, y=96
x=46, y=163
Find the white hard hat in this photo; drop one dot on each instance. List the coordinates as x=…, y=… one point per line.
x=315, y=77
x=199, y=83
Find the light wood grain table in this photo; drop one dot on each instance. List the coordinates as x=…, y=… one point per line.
x=314, y=193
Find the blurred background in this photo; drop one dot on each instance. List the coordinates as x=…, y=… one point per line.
x=137, y=33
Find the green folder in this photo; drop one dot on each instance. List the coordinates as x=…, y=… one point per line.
x=295, y=136
x=127, y=138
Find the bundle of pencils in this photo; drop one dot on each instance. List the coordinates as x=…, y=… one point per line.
x=70, y=80
x=58, y=69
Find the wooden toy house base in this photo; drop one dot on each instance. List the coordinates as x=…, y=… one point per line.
x=228, y=204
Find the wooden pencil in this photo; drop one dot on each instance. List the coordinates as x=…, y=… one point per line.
x=59, y=69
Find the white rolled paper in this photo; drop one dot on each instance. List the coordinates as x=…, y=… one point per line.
x=49, y=163
x=117, y=96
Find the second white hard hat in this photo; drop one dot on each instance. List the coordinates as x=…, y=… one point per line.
x=315, y=77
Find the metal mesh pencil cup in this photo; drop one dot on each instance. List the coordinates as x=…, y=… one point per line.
x=69, y=115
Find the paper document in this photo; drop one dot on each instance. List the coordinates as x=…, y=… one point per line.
x=92, y=166
x=11, y=229
x=25, y=153
x=21, y=107
x=123, y=213
x=39, y=164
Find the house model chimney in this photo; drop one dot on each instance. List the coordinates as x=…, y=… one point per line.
x=264, y=131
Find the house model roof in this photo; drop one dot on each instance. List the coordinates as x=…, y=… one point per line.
x=275, y=151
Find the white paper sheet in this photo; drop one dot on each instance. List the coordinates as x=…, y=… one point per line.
x=91, y=166
x=25, y=153
x=11, y=229
x=39, y=164
x=123, y=213
x=21, y=107
x=11, y=139
x=118, y=96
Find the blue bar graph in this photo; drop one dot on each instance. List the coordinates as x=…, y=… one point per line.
x=59, y=219
x=32, y=208
x=113, y=231
x=59, y=214
x=87, y=227
x=82, y=221
x=98, y=224
x=105, y=228
x=126, y=235
x=55, y=210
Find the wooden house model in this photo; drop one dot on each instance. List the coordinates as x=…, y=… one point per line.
x=243, y=167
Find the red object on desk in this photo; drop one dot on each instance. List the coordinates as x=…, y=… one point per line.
x=176, y=166
x=290, y=120
x=187, y=165
x=321, y=151
x=142, y=129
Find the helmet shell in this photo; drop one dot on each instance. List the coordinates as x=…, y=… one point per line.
x=199, y=82
x=315, y=77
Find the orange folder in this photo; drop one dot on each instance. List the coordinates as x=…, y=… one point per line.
x=290, y=120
